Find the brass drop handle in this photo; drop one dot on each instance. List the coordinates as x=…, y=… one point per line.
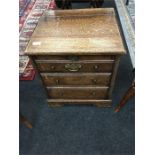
x=73, y=67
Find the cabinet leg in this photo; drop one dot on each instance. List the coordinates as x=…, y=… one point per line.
x=130, y=93
x=25, y=121
x=54, y=105
x=100, y=105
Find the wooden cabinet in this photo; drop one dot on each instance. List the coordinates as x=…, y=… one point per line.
x=77, y=54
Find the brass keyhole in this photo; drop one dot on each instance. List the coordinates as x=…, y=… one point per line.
x=93, y=93
x=94, y=81
x=52, y=67
x=57, y=81
x=96, y=67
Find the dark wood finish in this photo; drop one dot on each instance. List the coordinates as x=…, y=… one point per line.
x=81, y=66
x=25, y=121
x=77, y=92
x=129, y=94
x=96, y=79
x=113, y=77
x=76, y=52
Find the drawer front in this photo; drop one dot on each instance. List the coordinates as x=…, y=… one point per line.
x=51, y=79
x=74, y=57
x=103, y=103
x=80, y=66
x=77, y=92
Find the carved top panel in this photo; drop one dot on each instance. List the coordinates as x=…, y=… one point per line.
x=79, y=31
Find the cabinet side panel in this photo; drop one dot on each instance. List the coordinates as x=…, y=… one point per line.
x=114, y=73
x=35, y=66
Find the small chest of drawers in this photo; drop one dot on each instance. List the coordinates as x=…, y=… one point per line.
x=76, y=53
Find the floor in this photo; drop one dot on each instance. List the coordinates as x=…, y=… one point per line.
x=78, y=130
x=131, y=9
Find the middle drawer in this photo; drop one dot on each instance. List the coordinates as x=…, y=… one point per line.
x=52, y=79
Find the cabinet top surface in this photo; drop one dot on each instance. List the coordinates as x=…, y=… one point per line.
x=80, y=31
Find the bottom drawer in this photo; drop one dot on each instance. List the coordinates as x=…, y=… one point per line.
x=60, y=102
x=77, y=92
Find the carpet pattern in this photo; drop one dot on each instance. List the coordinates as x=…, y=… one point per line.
x=28, y=22
x=25, y=7
x=39, y=7
x=22, y=6
x=131, y=10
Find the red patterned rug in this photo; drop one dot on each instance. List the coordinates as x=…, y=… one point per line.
x=27, y=23
x=25, y=7
x=29, y=72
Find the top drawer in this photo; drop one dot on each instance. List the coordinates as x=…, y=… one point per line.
x=75, y=66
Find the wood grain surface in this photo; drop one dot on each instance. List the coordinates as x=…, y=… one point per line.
x=85, y=66
x=81, y=31
x=95, y=79
x=77, y=92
